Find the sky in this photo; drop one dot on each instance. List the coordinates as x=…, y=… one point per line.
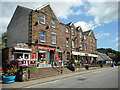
x=101, y=17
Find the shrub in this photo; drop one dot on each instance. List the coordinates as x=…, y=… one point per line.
x=33, y=68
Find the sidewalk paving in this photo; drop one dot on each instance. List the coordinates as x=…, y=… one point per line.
x=48, y=79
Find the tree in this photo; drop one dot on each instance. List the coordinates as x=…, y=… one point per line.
x=79, y=59
x=3, y=40
x=72, y=59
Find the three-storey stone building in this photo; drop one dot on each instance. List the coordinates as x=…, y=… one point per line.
x=47, y=39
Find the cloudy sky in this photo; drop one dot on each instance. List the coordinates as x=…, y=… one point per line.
x=101, y=17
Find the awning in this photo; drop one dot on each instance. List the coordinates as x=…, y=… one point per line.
x=22, y=49
x=84, y=54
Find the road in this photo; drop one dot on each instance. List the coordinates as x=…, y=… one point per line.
x=106, y=78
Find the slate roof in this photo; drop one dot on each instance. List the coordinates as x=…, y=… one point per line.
x=87, y=32
x=103, y=57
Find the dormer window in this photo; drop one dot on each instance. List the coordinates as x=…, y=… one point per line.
x=53, y=22
x=43, y=18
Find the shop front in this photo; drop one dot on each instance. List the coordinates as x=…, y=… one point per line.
x=87, y=58
x=46, y=56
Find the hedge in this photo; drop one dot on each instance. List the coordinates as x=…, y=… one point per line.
x=32, y=68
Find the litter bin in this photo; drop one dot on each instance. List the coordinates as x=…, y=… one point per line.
x=113, y=65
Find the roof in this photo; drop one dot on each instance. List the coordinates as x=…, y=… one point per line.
x=69, y=24
x=87, y=32
x=103, y=56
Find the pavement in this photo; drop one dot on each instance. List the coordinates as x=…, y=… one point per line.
x=55, y=79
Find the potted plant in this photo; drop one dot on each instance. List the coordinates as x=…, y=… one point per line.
x=10, y=73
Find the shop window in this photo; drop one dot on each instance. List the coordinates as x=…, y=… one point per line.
x=42, y=18
x=67, y=42
x=53, y=22
x=18, y=56
x=53, y=38
x=21, y=56
x=66, y=30
x=43, y=36
x=26, y=56
x=68, y=56
x=72, y=31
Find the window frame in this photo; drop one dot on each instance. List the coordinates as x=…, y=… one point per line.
x=72, y=31
x=42, y=18
x=42, y=35
x=67, y=30
x=73, y=43
x=53, y=38
x=53, y=23
x=67, y=39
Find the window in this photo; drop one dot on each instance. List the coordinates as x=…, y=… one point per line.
x=90, y=38
x=85, y=46
x=93, y=40
x=80, y=35
x=53, y=38
x=42, y=18
x=67, y=42
x=73, y=43
x=43, y=36
x=80, y=45
x=66, y=30
x=68, y=56
x=20, y=55
x=94, y=48
x=84, y=37
x=72, y=31
x=91, y=48
x=53, y=22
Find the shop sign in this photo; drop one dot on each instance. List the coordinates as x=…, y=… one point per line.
x=46, y=48
x=56, y=58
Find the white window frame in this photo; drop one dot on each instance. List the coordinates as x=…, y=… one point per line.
x=84, y=37
x=73, y=44
x=80, y=34
x=23, y=55
x=72, y=31
x=53, y=38
x=42, y=18
x=44, y=37
x=85, y=48
x=53, y=22
x=80, y=45
x=91, y=48
x=66, y=30
x=67, y=39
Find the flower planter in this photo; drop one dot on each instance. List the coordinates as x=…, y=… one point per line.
x=9, y=79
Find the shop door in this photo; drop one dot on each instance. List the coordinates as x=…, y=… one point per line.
x=52, y=56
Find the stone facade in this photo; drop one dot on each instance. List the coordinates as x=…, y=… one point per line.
x=36, y=27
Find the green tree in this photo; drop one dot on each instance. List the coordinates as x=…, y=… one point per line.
x=3, y=40
x=72, y=59
x=79, y=59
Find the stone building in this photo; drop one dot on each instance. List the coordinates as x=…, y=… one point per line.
x=47, y=39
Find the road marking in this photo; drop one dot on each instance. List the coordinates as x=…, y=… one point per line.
x=69, y=77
